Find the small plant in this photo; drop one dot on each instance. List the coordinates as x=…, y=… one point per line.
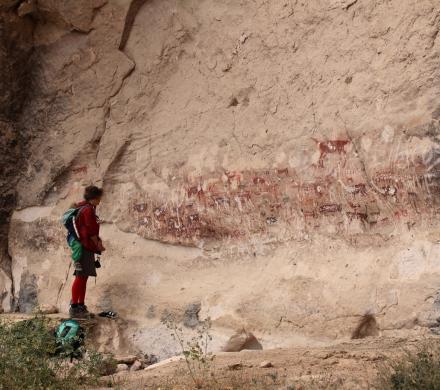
x=197, y=357
x=29, y=359
x=419, y=369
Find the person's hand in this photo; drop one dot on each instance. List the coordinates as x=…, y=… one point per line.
x=101, y=247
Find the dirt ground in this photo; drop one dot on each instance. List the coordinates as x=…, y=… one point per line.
x=354, y=364
x=350, y=365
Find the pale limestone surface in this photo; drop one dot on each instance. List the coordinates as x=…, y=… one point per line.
x=275, y=161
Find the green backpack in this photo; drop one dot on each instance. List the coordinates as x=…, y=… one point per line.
x=69, y=338
x=69, y=222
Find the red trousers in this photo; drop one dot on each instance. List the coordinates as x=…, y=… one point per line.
x=79, y=289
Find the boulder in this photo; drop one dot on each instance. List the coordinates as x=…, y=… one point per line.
x=125, y=359
x=242, y=340
x=121, y=367
x=46, y=309
x=137, y=365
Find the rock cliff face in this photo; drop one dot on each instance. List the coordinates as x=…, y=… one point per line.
x=276, y=162
x=16, y=54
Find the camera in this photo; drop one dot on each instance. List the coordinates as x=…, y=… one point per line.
x=97, y=262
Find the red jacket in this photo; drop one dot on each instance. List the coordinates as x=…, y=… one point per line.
x=87, y=225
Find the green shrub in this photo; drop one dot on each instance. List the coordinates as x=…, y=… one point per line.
x=28, y=360
x=419, y=369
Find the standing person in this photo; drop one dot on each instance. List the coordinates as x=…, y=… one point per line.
x=87, y=224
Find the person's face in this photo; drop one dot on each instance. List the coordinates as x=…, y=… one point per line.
x=95, y=201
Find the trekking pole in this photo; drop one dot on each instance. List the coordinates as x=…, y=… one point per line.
x=60, y=290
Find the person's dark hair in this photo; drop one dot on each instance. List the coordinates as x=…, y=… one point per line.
x=92, y=192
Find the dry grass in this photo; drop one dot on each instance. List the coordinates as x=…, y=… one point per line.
x=227, y=380
x=415, y=369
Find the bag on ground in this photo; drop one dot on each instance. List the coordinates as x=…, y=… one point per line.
x=69, y=338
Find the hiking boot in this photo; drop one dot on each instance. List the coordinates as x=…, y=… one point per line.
x=84, y=312
x=77, y=312
x=83, y=308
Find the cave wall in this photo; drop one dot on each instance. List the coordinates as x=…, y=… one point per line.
x=16, y=62
x=275, y=162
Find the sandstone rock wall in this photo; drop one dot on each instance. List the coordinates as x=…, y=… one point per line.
x=16, y=62
x=276, y=162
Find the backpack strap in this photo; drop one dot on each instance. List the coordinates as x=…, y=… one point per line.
x=76, y=216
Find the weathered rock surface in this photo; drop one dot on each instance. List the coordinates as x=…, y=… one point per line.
x=277, y=162
x=136, y=366
x=191, y=315
x=46, y=309
x=122, y=367
x=17, y=64
x=240, y=341
x=266, y=364
x=125, y=359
